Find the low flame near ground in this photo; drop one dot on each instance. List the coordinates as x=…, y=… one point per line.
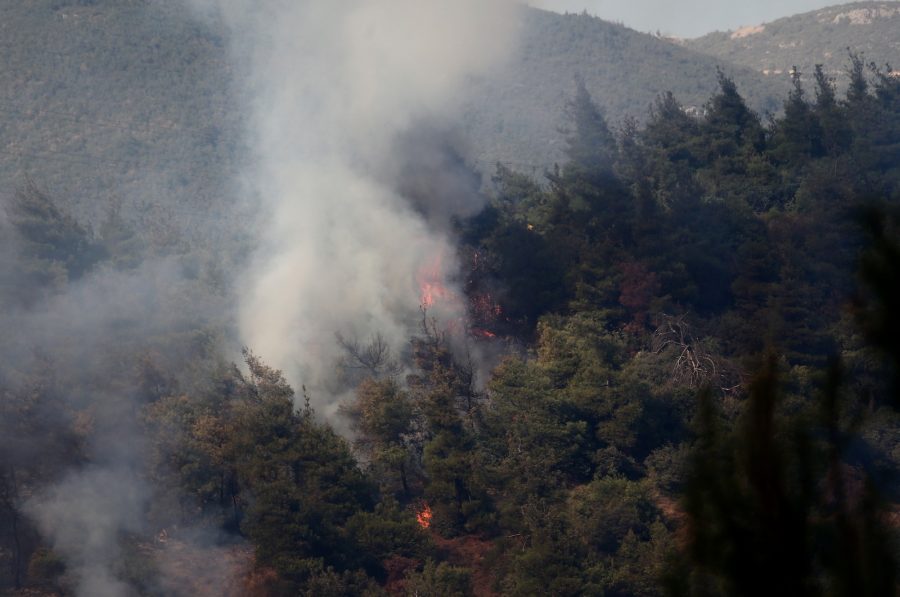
x=431, y=284
x=423, y=516
x=482, y=333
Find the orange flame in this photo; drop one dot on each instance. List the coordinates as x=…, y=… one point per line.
x=430, y=292
x=423, y=517
x=431, y=283
x=483, y=333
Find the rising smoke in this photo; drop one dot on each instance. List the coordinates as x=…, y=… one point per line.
x=79, y=349
x=352, y=105
x=349, y=99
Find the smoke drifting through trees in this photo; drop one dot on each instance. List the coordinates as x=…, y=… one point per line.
x=338, y=87
x=70, y=416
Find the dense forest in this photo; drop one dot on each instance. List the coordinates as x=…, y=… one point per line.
x=678, y=376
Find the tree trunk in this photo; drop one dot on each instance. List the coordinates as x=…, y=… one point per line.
x=403, y=480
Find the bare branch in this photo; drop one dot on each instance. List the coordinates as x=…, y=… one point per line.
x=374, y=357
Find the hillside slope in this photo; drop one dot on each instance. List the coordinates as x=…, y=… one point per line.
x=135, y=101
x=817, y=37
x=117, y=101
x=515, y=117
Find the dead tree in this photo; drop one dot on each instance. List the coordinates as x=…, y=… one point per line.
x=694, y=365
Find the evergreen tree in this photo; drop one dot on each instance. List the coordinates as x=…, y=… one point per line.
x=798, y=136
x=382, y=416
x=730, y=125
x=671, y=141
x=591, y=146
x=443, y=391
x=51, y=247
x=835, y=133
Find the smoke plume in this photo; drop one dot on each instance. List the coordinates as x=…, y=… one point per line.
x=342, y=91
x=71, y=358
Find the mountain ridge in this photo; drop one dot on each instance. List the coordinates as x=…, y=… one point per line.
x=804, y=40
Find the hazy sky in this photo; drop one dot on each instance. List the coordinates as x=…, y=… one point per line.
x=686, y=18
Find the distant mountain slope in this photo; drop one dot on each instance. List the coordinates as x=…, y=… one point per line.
x=515, y=117
x=117, y=100
x=133, y=100
x=817, y=37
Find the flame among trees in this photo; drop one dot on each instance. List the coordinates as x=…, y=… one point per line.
x=432, y=281
x=423, y=516
x=588, y=461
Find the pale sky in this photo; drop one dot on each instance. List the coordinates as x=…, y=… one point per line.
x=686, y=18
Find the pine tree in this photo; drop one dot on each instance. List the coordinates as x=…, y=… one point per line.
x=797, y=138
x=591, y=146
x=382, y=417
x=835, y=132
x=730, y=125
x=443, y=392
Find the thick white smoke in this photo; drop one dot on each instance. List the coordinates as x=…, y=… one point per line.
x=335, y=84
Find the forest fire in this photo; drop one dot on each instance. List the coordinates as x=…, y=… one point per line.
x=476, y=314
x=430, y=292
x=423, y=516
x=485, y=308
x=431, y=285
x=483, y=333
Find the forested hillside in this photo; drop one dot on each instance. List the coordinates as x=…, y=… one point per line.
x=514, y=116
x=134, y=102
x=118, y=101
x=805, y=40
x=695, y=331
